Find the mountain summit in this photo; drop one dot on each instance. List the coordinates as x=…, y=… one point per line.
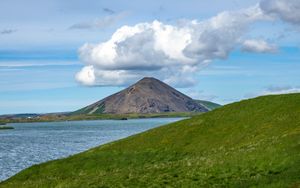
x=149, y=95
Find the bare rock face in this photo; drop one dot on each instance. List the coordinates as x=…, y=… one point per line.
x=148, y=95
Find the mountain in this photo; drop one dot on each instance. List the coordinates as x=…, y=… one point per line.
x=209, y=105
x=149, y=95
x=19, y=115
x=252, y=143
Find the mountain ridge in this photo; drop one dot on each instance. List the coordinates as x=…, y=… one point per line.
x=148, y=95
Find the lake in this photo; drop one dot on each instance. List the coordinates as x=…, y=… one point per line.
x=33, y=143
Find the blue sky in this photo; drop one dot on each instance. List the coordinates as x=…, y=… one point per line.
x=39, y=58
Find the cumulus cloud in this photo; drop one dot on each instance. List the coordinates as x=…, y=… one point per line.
x=89, y=76
x=287, y=10
x=172, y=53
x=258, y=46
x=101, y=23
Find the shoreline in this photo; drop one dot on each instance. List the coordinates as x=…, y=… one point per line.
x=121, y=117
x=6, y=127
x=98, y=145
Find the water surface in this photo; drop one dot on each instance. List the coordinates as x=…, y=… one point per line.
x=33, y=143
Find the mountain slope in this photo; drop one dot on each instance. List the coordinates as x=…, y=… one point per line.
x=253, y=143
x=148, y=95
x=209, y=105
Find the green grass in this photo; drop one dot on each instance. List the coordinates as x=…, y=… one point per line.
x=101, y=109
x=131, y=116
x=5, y=127
x=86, y=110
x=78, y=117
x=253, y=143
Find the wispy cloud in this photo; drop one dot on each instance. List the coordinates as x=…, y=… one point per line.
x=34, y=105
x=108, y=10
x=281, y=90
x=275, y=90
x=8, y=87
x=201, y=95
x=225, y=70
x=7, y=31
x=19, y=64
x=100, y=23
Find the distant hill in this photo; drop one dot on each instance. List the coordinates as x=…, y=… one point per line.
x=253, y=143
x=209, y=105
x=148, y=95
x=19, y=115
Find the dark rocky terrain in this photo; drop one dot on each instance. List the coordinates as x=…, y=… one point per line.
x=149, y=95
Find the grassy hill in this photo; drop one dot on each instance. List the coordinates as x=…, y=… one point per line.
x=253, y=143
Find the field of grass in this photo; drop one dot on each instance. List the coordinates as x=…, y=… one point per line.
x=253, y=143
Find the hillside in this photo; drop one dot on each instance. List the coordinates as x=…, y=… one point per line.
x=253, y=143
x=148, y=95
x=209, y=105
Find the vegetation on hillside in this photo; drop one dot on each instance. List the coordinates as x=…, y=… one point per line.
x=209, y=105
x=77, y=117
x=5, y=127
x=253, y=143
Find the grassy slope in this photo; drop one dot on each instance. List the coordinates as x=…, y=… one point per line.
x=208, y=104
x=250, y=143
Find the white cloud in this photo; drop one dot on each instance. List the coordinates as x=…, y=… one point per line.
x=172, y=53
x=86, y=76
x=287, y=10
x=89, y=76
x=258, y=46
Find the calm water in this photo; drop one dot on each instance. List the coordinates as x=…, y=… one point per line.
x=32, y=143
